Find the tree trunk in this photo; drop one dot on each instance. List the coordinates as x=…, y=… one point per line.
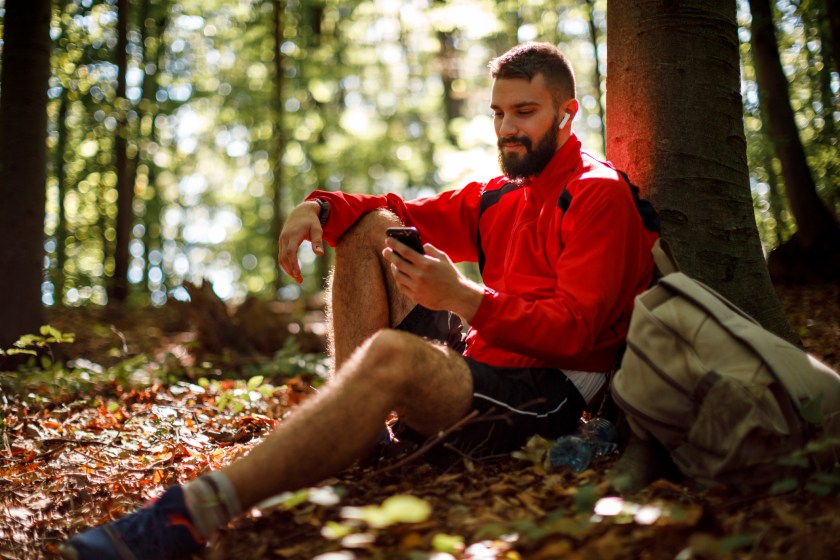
x=60, y=234
x=834, y=25
x=23, y=165
x=675, y=124
x=596, y=78
x=279, y=138
x=125, y=186
x=153, y=62
x=813, y=251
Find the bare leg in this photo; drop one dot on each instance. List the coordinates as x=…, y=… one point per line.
x=362, y=296
x=428, y=384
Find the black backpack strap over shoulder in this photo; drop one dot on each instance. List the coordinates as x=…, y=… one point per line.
x=650, y=218
x=488, y=199
x=564, y=200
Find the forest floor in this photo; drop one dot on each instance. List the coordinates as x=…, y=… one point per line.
x=138, y=408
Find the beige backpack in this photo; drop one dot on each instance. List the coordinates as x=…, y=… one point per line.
x=727, y=398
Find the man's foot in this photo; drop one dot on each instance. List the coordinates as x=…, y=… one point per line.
x=163, y=529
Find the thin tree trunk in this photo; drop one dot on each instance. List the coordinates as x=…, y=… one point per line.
x=593, y=36
x=834, y=24
x=279, y=137
x=60, y=234
x=675, y=124
x=125, y=186
x=448, y=57
x=152, y=237
x=775, y=200
x=23, y=165
x=813, y=220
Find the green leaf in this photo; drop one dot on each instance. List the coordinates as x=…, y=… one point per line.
x=794, y=460
x=735, y=542
x=784, y=486
x=334, y=530
x=832, y=478
x=255, y=382
x=29, y=340
x=819, y=489
x=586, y=498
x=452, y=544
x=406, y=509
x=48, y=330
x=396, y=509
x=13, y=351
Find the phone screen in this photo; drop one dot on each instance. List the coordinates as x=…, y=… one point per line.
x=407, y=235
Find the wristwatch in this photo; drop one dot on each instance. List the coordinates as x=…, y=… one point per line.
x=324, y=212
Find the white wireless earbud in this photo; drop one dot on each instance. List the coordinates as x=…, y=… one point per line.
x=565, y=120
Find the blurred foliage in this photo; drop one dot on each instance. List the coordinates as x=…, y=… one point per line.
x=804, y=40
x=368, y=96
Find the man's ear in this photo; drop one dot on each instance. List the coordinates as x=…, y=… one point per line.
x=570, y=108
x=566, y=116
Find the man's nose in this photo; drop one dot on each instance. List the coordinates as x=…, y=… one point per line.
x=507, y=128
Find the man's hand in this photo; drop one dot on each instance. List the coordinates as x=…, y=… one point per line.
x=301, y=225
x=432, y=280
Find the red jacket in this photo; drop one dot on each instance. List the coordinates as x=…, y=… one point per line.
x=559, y=284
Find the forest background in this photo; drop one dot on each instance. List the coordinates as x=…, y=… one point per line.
x=179, y=133
x=223, y=115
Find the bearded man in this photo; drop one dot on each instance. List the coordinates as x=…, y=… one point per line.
x=563, y=251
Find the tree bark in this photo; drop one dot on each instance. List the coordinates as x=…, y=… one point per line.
x=675, y=124
x=23, y=165
x=125, y=186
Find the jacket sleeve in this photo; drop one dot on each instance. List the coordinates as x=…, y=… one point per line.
x=448, y=220
x=603, y=264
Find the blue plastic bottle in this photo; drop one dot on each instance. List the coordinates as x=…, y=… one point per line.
x=595, y=438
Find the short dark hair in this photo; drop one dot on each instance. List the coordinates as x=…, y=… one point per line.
x=529, y=59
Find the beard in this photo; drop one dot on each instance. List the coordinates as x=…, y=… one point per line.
x=535, y=159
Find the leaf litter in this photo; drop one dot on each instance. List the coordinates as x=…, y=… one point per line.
x=85, y=446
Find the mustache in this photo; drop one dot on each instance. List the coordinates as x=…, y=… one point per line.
x=524, y=140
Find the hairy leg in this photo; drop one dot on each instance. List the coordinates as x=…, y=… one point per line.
x=429, y=384
x=362, y=296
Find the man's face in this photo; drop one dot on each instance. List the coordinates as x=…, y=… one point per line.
x=526, y=122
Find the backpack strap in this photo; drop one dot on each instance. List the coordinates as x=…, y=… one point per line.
x=650, y=218
x=488, y=199
x=664, y=258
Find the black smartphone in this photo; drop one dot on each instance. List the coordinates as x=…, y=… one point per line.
x=407, y=235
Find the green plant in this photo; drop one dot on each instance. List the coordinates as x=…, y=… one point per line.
x=34, y=344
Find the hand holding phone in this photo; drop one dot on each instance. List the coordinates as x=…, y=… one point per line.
x=408, y=236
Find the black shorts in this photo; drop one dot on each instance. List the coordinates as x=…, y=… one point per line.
x=512, y=404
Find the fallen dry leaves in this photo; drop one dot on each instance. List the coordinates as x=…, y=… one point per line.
x=70, y=460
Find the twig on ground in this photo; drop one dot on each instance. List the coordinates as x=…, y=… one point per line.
x=431, y=442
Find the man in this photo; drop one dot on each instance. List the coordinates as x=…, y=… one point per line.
x=563, y=252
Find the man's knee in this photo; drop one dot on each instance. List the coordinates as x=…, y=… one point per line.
x=368, y=231
x=383, y=359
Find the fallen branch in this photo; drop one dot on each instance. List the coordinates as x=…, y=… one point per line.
x=430, y=442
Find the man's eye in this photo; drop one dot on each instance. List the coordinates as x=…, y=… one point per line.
x=526, y=112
